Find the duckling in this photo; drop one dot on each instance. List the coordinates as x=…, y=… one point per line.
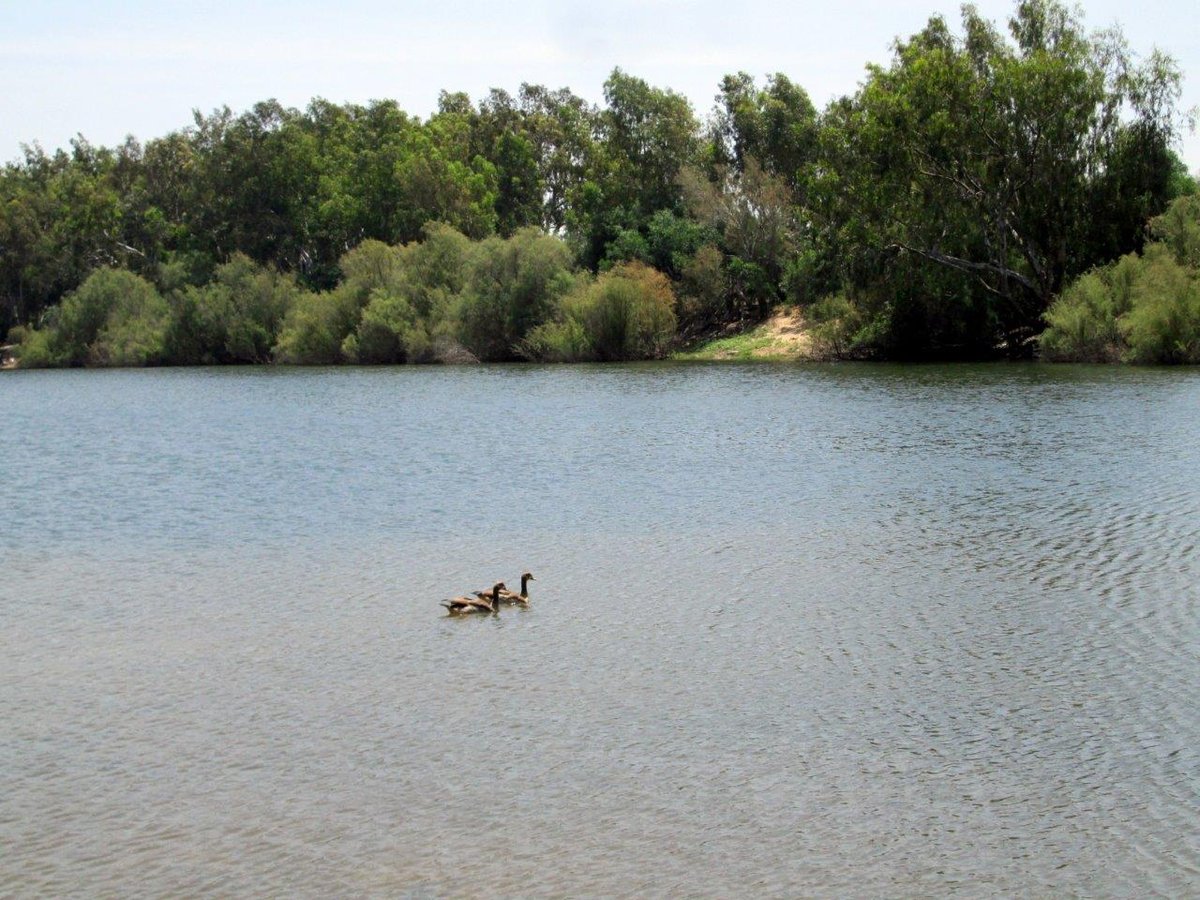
x=507, y=596
x=461, y=606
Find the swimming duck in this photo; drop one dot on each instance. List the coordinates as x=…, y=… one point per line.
x=507, y=596
x=461, y=606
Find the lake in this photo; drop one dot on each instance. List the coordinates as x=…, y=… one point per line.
x=845, y=630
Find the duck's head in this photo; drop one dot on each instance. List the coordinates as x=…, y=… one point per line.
x=528, y=576
x=496, y=589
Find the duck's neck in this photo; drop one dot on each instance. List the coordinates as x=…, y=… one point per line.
x=524, y=586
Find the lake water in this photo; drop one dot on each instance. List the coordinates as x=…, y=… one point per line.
x=795, y=631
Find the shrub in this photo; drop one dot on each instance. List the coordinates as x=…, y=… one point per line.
x=511, y=287
x=135, y=333
x=235, y=318
x=371, y=266
x=626, y=313
x=433, y=271
x=1163, y=325
x=390, y=331
x=316, y=327
x=1179, y=229
x=842, y=328
x=115, y=318
x=39, y=351
x=1082, y=321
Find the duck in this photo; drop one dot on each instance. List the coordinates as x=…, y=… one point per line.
x=507, y=596
x=461, y=606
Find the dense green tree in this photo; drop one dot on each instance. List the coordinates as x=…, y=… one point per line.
x=982, y=156
x=561, y=129
x=776, y=127
x=646, y=136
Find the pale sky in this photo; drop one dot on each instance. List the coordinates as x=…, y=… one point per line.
x=108, y=69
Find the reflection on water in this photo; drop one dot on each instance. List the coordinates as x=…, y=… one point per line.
x=839, y=630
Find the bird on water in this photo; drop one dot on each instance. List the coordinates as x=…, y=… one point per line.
x=507, y=596
x=462, y=606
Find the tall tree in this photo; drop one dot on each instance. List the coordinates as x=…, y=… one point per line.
x=983, y=156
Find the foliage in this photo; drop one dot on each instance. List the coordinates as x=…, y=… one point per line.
x=702, y=288
x=1082, y=322
x=235, y=318
x=316, y=327
x=841, y=329
x=776, y=127
x=1163, y=322
x=627, y=313
x=1141, y=309
x=993, y=161
x=115, y=318
x=945, y=205
x=1179, y=229
x=511, y=286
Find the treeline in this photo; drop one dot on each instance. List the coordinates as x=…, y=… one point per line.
x=938, y=211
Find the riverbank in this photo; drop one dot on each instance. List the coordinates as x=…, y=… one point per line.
x=785, y=336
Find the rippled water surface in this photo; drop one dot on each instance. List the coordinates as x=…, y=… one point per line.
x=832, y=631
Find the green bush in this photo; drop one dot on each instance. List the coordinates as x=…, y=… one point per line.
x=390, y=331
x=511, y=288
x=115, y=318
x=627, y=313
x=1163, y=325
x=1179, y=229
x=235, y=318
x=1082, y=321
x=39, y=351
x=1142, y=310
x=316, y=328
x=845, y=327
x=433, y=271
x=369, y=267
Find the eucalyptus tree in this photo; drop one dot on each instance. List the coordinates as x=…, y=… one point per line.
x=561, y=129
x=776, y=126
x=986, y=157
x=646, y=136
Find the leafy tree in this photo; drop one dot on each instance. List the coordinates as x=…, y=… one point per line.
x=561, y=129
x=646, y=136
x=983, y=157
x=775, y=126
x=753, y=212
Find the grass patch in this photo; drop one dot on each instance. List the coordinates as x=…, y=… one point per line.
x=784, y=336
x=736, y=346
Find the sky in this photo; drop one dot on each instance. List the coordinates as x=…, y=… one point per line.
x=108, y=69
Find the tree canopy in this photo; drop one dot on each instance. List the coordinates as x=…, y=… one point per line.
x=938, y=210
